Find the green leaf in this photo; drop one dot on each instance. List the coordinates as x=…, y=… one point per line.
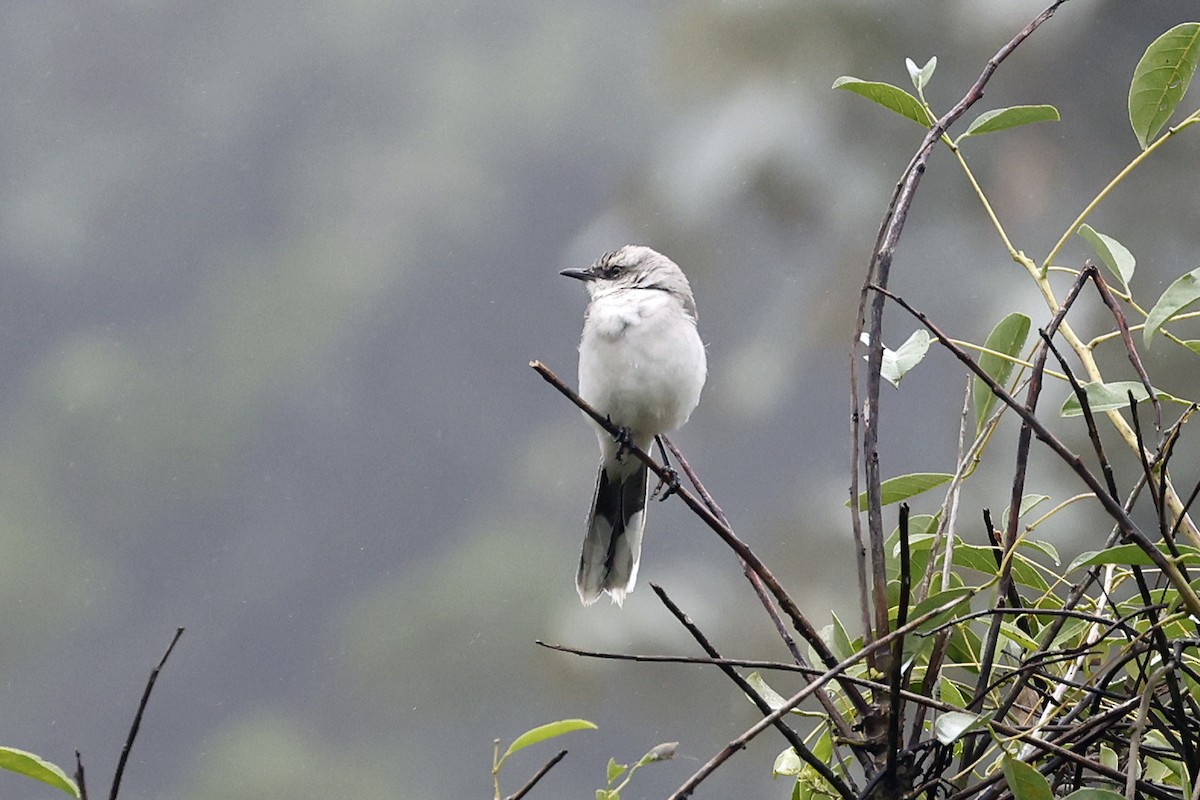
x=1095, y=794
x=1193, y=345
x=888, y=96
x=1025, y=782
x=953, y=724
x=905, y=486
x=897, y=363
x=1178, y=296
x=548, y=731
x=32, y=766
x=1108, y=396
x=615, y=770
x=1008, y=337
x=787, y=763
x=956, y=598
x=1000, y=119
x=1108, y=756
x=773, y=698
x=950, y=693
x=1161, y=78
x=1116, y=256
x=1132, y=555
x=920, y=76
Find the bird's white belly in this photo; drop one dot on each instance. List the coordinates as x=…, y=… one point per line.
x=642, y=366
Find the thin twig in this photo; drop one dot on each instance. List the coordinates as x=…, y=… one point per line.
x=802, y=750
x=79, y=779
x=1114, y=509
x=832, y=673
x=537, y=776
x=137, y=718
x=799, y=621
x=838, y=720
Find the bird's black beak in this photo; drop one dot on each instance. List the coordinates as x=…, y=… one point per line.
x=579, y=274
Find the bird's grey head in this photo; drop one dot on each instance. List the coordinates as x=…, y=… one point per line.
x=635, y=267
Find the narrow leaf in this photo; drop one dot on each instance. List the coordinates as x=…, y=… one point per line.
x=897, y=363
x=1161, y=78
x=920, y=75
x=953, y=724
x=1096, y=794
x=905, y=486
x=1008, y=337
x=773, y=698
x=1178, y=296
x=1131, y=555
x=1113, y=254
x=888, y=96
x=1000, y=119
x=1108, y=396
x=1025, y=782
x=548, y=731
x=32, y=766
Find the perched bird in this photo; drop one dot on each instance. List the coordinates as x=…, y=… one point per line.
x=641, y=363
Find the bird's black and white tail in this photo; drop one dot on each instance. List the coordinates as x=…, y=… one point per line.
x=609, y=562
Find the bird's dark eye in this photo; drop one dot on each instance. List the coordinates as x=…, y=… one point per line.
x=612, y=271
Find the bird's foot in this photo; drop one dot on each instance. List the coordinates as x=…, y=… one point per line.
x=668, y=487
x=624, y=438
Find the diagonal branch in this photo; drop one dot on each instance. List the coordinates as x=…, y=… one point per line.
x=799, y=621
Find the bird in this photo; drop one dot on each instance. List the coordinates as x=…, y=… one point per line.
x=642, y=365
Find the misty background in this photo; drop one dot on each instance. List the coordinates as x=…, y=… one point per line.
x=272, y=275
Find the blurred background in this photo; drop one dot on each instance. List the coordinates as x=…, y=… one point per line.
x=272, y=274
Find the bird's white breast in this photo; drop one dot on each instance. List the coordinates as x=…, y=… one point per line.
x=641, y=360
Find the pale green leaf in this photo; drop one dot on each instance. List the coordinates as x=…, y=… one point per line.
x=1000, y=119
x=903, y=487
x=1131, y=555
x=32, y=766
x=920, y=75
x=1025, y=782
x=615, y=770
x=1113, y=254
x=772, y=698
x=888, y=96
x=1161, y=78
x=953, y=724
x=1096, y=794
x=1178, y=296
x=787, y=763
x=1008, y=337
x=1193, y=345
x=1108, y=396
x=548, y=731
x=897, y=363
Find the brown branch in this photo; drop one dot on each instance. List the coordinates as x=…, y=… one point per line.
x=799, y=621
x=838, y=721
x=537, y=776
x=832, y=673
x=802, y=750
x=137, y=718
x=1128, y=527
x=877, y=274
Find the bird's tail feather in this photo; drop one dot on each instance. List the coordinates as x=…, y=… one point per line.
x=613, y=545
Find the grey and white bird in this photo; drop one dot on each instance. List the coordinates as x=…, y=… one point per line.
x=641, y=363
